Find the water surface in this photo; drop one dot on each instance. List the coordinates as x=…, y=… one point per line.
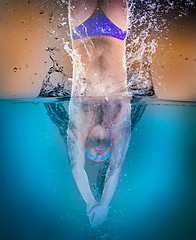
x=156, y=193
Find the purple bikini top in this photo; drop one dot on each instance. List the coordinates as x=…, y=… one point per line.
x=98, y=24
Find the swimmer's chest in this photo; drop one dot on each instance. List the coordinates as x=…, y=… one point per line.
x=102, y=112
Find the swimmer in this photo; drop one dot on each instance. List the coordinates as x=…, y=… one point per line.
x=98, y=137
x=99, y=127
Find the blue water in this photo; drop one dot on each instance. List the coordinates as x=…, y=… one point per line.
x=155, y=196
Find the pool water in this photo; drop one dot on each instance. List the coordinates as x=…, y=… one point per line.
x=156, y=193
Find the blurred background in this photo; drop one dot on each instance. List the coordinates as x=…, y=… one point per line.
x=31, y=33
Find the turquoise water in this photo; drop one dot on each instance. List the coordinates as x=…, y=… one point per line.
x=156, y=193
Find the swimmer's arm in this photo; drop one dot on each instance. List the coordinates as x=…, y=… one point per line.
x=77, y=160
x=121, y=144
x=110, y=186
x=99, y=212
x=76, y=135
x=82, y=182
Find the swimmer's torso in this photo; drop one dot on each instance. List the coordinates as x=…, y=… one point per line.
x=85, y=114
x=102, y=112
x=103, y=58
x=99, y=63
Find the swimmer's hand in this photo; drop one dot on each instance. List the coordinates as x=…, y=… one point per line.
x=90, y=205
x=98, y=214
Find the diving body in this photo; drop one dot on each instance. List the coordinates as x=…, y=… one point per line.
x=98, y=132
x=99, y=125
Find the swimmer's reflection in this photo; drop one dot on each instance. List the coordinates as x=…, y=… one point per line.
x=98, y=136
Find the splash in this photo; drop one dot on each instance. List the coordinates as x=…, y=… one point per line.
x=147, y=21
x=51, y=86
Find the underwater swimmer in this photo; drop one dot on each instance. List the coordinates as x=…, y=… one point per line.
x=98, y=136
x=99, y=126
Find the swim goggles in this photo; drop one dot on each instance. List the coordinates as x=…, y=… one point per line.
x=95, y=158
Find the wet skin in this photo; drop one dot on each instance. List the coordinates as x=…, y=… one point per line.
x=103, y=126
